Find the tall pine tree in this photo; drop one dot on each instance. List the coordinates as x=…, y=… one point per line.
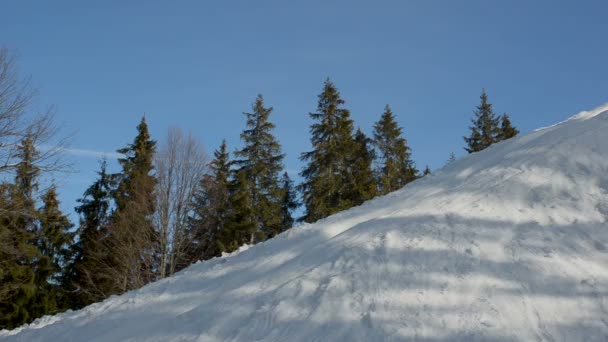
x=211, y=209
x=241, y=226
x=395, y=168
x=20, y=258
x=361, y=183
x=84, y=280
x=24, y=278
x=132, y=239
x=485, y=129
x=261, y=161
x=325, y=186
x=55, y=244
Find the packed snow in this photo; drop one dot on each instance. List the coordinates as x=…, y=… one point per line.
x=509, y=244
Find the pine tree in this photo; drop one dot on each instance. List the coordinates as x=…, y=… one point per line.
x=451, y=159
x=136, y=183
x=132, y=240
x=427, y=171
x=360, y=178
x=324, y=189
x=211, y=209
x=83, y=278
x=241, y=225
x=507, y=131
x=17, y=258
x=396, y=169
x=55, y=242
x=261, y=160
x=23, y=275
x=26, y=181
x=288, y=202
x=485, y=130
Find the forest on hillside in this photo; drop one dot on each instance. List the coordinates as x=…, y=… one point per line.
x=171, y=204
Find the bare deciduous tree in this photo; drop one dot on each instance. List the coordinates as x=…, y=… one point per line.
x=17, y=121
x=180, y=165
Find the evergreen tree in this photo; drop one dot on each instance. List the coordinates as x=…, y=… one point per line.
x=396, y=169
x=324, y=189
x=427, y=171
x=241, y=225
x=83, y=277
x=55, y=241
x=288, y=202
x=211, y=209
x=17, y=258
x=136, y=183
x=24, y=275
x=26, y=181
x=261, y=160
x=485, y=130
x=451, y=159
x=507, y=131
x=361, y=184
x=132, y=241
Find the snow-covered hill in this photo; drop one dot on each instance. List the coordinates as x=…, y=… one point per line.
x=510, y=244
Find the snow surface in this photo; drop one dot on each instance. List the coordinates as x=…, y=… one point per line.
x=509, y=244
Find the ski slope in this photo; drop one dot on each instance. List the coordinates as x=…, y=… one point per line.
x=509, y=244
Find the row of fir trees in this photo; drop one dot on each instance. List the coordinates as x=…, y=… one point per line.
x=48, y=265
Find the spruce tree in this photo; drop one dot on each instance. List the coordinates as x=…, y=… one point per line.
x=451, y=159
x=133, y=241
x=360, y=178
x=324, y=189
x=84, y=280
x=23, y=290
x=241, y=225
x=26, y=181
x=261, y=161
x=55, y=242
x=17, y=260
x=485, y=129
x=210, y=209
x=289, y=202
x=427, y=171
x=396, y=168
x=507, y=131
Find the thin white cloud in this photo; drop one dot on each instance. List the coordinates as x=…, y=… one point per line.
x=80, y=152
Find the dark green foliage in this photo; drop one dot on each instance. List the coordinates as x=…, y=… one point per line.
x=24, y=291
x=26, y=182
x=261, y=161
x=324, y=189
x=54, y=243
x=289, y=202
x=395, y=168
x=361, y=184
x=241, y=225
x=127, y=257
x=427, y=171
x=211, y=209
x=133, y=241
x=136, y=183
x=17, y=258
x=55, y=234
x=507, y=131
x=485, y=130
x=83, y=278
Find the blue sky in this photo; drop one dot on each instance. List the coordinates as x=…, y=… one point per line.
x=199, y=64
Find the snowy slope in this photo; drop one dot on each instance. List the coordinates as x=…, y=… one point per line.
x=510, y=244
